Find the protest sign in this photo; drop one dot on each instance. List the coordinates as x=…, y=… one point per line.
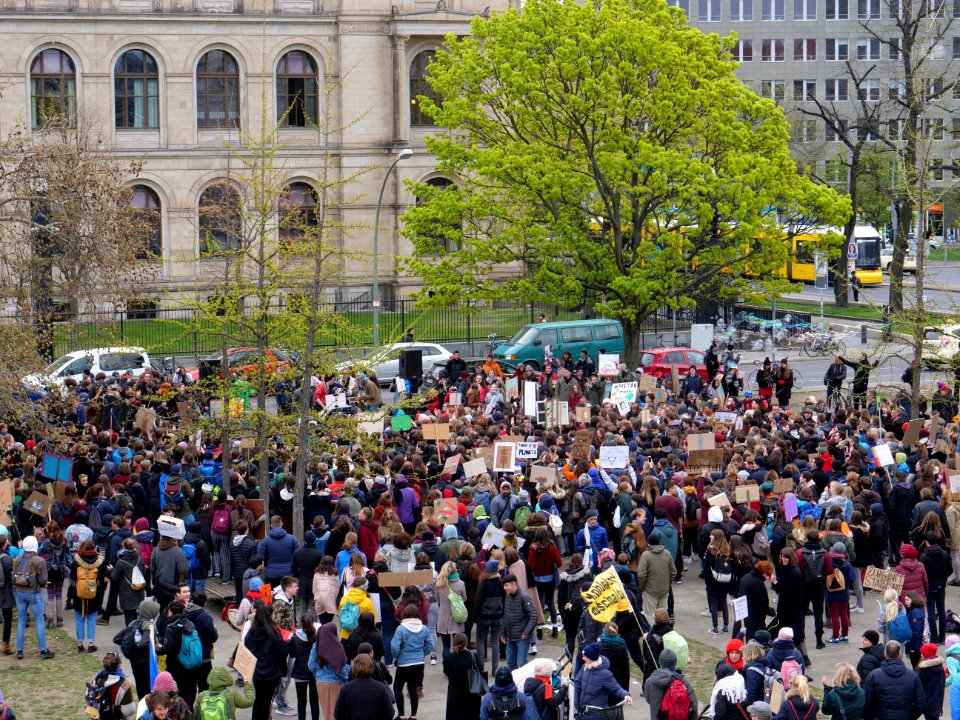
x=6, y=496
x=511, y=389
x=561, y=413
x=57, y=467
x=451, y=464
x=706, y=461
x=543, y=475
x=245, y=663
x=446, y=510
x=38, y=503
x=248, y=442
x=727, y=418
x=645, y=415
x=747, y=494
x=912, y=433
x=675, y=377
x=783, y=485
x=402, y=579
x=526, y=450
x=776, y=697
x=185, y=412
x=740, y=610
x=720, y=500
x=583, y=414
x=146, y=420
x=623, y=395
x=530, y=398
x=660, y=395
x=269, y=405
x=401, y=423
x=455, y=398
x=474, y=468
x=614, y=456
x=701, y=441
x=955, y=483
x=882, y=455
x=647, y=383
x=337, y=400
x=436, y=431
x=877, y=579
x=790, y=506
x=608, y=365
x=504, y=457
x=581, y=445
x=371, y=427
x=606, y=596
x=60, y=488
x=493, y=536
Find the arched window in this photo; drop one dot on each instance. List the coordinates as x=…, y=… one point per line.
x=218, y=91
x=147, y=204
x=298, y=213
x=53, y=89
x=297, y=94
x=420, y=85
x=136, y=91
x=445, y=227
x=220, y=219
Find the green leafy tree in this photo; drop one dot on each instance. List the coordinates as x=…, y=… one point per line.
x=604, y=151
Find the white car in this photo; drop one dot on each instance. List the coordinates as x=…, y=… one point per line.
x=909, y=262
x=110, y=360
x=385, y=361
x=940, y=345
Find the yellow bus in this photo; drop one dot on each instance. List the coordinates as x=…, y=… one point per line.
x=800, y=264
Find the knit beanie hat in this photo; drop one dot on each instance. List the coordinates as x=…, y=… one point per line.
x=908, y=551
x=592, y=652
x=785, y=634
x=165, y=683
x=872, y=637
x=928, y=650
x=504, y=677
x=30, y=544
x=668, y=659
x=952, y=640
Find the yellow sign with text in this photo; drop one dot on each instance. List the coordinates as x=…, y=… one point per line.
x=606, y=596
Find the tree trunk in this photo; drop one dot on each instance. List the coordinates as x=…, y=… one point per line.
x=303, y=428
x=900, y=243
x=632, y=332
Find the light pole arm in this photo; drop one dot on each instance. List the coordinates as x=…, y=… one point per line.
x=375, y=293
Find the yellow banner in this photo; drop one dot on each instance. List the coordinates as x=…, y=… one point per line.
x=606, y=596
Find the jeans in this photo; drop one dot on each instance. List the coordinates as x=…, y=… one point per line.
x=86, y=626
x=517, y=651
x=491, y=628
x=33, y=602
x=444, y=644
x=717, y=602
x=198, y=585
x=936, y=613
x=546, y=591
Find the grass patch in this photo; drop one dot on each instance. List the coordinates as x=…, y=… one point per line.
x=860, y=312
x=51, y=689
x=701, y=669
x=944, y=254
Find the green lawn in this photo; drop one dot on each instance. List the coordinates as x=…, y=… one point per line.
x=944, y=254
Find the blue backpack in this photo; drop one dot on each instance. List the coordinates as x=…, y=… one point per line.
x=193, y=562
x=899, y=628
x=349, y=616
x=191, y=651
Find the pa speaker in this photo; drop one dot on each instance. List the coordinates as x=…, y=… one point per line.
x=411, y=364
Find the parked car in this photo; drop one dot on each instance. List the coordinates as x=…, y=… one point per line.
x=659, y=362
x=473, y=365
x=244, y=361
x=528, y=346
x=385, y=361
x=940, y=345
x=909, y=262
x=121, y=360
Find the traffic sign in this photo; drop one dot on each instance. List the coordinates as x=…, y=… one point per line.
x=851, y=251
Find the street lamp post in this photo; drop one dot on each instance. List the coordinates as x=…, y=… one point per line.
x=375, y=293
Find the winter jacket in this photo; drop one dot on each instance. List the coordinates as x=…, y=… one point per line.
x=753, y=587
x=615, y=650
x=369, y=539
x=933, y=679
x=277, y=551
x=656, y=687
x=923, y=507
x=362, y=601
x=116, y=544
x=121, y=579
x=220, y=681
x=203, y=623
x=793, y=708
x=38, y=577
x=953, y=522
x=915, y=617
x=299, y=650
x=92, y=606
x=850, y=697
x=782, y=651
x=669, y=537
x=242, y=548
x=840, y=563
x=325, y=589
x=893, y=692
x=284, y=614
x=446, y=625
x=870, y=661
x=411, y=642
x=914, y=577
x=489, y=604
x=487, y=711
x=543, y=560
x=597, y=686
x=363, y=698
x=755, y=679
x=938, y=566
x=168, y=565
x=534, y=689
x=271, y=653
x=598, y=541
x=519, y=616
x=953, y=663
x=656, y=571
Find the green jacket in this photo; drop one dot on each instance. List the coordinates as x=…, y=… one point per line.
x=850, y=696
x=655, y=571
x=221, y=680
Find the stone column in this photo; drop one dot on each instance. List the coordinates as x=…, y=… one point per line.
x=401, y=90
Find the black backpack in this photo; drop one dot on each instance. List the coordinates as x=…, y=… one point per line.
x=813, y=564
x=507, y=708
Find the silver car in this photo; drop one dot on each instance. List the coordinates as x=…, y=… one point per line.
x=385, y=362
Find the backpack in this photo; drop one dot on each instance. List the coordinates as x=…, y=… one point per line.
x=770, y=677
x=789, y=669
x=128, y=641
x=458, y=609
x=813, y=564
x=146, y=550
x=556, y=524
x=193, y=562
x=530, y=708
x=836, y=581
x=899, y=628
x=952, y=624
x=214, y=706
x=23, y=572
x=94, y=521
x=629, y=546
x=722, y=569
x=87, y=582
x=676, y=702
x=521, y=516
x=191, y=651
x=221, y=521
x=57, y=560
x=97, y=701
x=507, y=708
x=349, y=616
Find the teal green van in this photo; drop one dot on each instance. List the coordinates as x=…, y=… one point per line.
x=529, y=345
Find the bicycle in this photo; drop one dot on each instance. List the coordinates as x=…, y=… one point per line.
x=614, y=712
x=838, y=400
x=493, y=342
x=752, y=378
x=825, y=344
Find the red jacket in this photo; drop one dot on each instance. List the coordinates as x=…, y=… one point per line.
x=369, y=539
x=542, y=560
x=914, y=577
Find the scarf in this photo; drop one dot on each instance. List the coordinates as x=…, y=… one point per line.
x=612, y=639
x=453, y=576
x=329, y=650
x=547, y=686
x=732, y=688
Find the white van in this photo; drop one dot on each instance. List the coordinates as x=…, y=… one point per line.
x=106, y=360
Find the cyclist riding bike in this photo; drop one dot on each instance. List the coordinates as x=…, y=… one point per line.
x=861, y=377
x=834, y=379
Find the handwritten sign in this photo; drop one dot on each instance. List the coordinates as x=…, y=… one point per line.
x=740, y=610
x=647, y=383
x=451, y=464
x=747, y=494
x=436, y=431
x=504, y=457
x=955, y=483
x=701, y=441
x=660, y=395
x=455, y=398
x=146, y=420
x=623, y=395
x=882, y=455
x=59, y=489
x=720, y=500
x=783, y=485
x=38, y=504
x=492, y=537
x=583, y=414
x=608, y=365
x=446, y=510
x=877, y=579
x=185, y=412
x=245, y=663
x=335, y=401
x=726, y=418
x=675, y=376
x=402, y=579
x=614, y=456
x=709, y=461
x=474, y=468
x=581, y=445
x=543, y=475
x=526, y=450
x=6, y=496
x=511, y=389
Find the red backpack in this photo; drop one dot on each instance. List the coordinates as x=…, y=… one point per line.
x=146, y=549
x=221, y=521
x=676, y=702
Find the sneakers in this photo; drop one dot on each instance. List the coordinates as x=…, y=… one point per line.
x=833, y=641
x=704, y=613
x=45, y=654
x=688, y=561
x=725, y=629
x=844, y=638
x=713, y=631
x=820, y=645
x=19, y=654
x=533, y=649
x=284, y=709
x=858, y=610
x=555, y=633
x=433, y=659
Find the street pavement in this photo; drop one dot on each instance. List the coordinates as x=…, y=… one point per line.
x=940, y=287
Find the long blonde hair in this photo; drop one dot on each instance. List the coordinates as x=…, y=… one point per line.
x=798, y=686
x=891, y=599
x=443, y=579
x=845, y=675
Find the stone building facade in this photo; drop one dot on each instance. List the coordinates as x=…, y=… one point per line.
x=170, y=80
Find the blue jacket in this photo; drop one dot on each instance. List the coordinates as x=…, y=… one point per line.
x=598, y=541
x=411, y=643
x=915, y=618
x=784, y=650
x=277, y=549
x=486, y=703
x=326, y=673
x=597, y=686
x=893, y=692
x=840, y=563
x=116, y=544
x=754, y=676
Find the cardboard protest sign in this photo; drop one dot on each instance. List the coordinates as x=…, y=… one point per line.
x=511, y=389
x=402, y=579
x=882, y=455
x=877, y=579
x=451, y=464
x=583, y=414
x=245, y=663
x=701, y=441
x=6, y=496
x=747, y=494
x=248, y=442
x=446, y=510
x=371, y=427
x=59, y=489
x=38, y=503
x=57, y=467
x=740, y=609
x=474, y=468
x=581, y=446
x=543, y=475
x=912, y=433
x=614, y=456
x=776, y=697
x=727, y=418
x=720, y=500
x=504, y=457
x=401, y=423
x=675, y=377
x=185, y=412
x=783, y=485
x=526, y=450
x=955, y=483
x=645, y=415
x=660, y=395
x=608, y=365
x=709, y=461
x=436, y=431
x=623, y=395
x=647, y=383
x=561, y=413
x=512, y=438
x=492, y=536
x=455, y=398
x=145, y=419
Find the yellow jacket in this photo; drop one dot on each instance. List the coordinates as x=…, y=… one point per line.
x=361, y=599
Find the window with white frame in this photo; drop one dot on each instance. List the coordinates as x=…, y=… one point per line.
x=896, y=90
x=742, y=51
x=893, y=49
x=895, y=129
x=869, y=90
x=804, y=9
x=837, y=49
x=936, y=170
x=741, y=10
x=682, y=4
x=771, y=50
x=932, y=128
x=773, y=89
x=836, y=90
x=837, y=10
x=772, y=10
x=868, y=9
x=835, y=131
x=804, y=49
x=809, y=129
x=804, y=90
x=868, y=48
x=708, y=10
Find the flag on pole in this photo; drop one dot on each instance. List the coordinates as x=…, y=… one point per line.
x=607, y=596
x=154, y=663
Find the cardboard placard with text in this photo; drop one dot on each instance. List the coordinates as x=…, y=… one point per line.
x=583, y=414
x=435, y=431
x=245, y=663
x=581, y=446
x=38, y=504
x=614, y=457
x=648, y=383
x=675, y=377
x=186, y=413
x=784, y=485
x=877, y=579
x=402, y=579
x=511, y=389
x=747, y=494
x=6, y=496
x=451, y=464
x=608, y=365
x=60, y=488
x=504, y=457
x=543, y=475
x=474, y=468
x=710, y=461
x=720, y=500
x=146, y=420
x=446, y=510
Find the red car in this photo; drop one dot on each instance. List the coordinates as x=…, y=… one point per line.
x=243, y=361
x=659, y=362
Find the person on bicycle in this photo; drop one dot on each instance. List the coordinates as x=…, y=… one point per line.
x=595, y=687
x=765, y=383
x=834, y=378
x=861, y=377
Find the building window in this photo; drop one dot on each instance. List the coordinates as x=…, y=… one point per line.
x=773, y=89
x=837, y=10
x=868, y=49
x=805, y=50
x=869, y=90
x=936, y=170
x=868, y=9
x=804, y=90
x=220, y=219
x=837, y=49
x=297, y=90
x=743, y=51
x=772, y=10
x=835, y=90
x=955, y=129
x=893, y=49
x=136, y=91
x=298, y=213
x=936, y=8
x=896, y=90
x=448, y=229
x=218, y=91
x=53, y=89
x=804, y=9
x=147, y=204
x=836, y=131
x=685, y=5
x=809, y=130
x=741, y=10
x=895, y=130
x=420, y=87
x=771, y=50
x=932, y=128
x=708, y=10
